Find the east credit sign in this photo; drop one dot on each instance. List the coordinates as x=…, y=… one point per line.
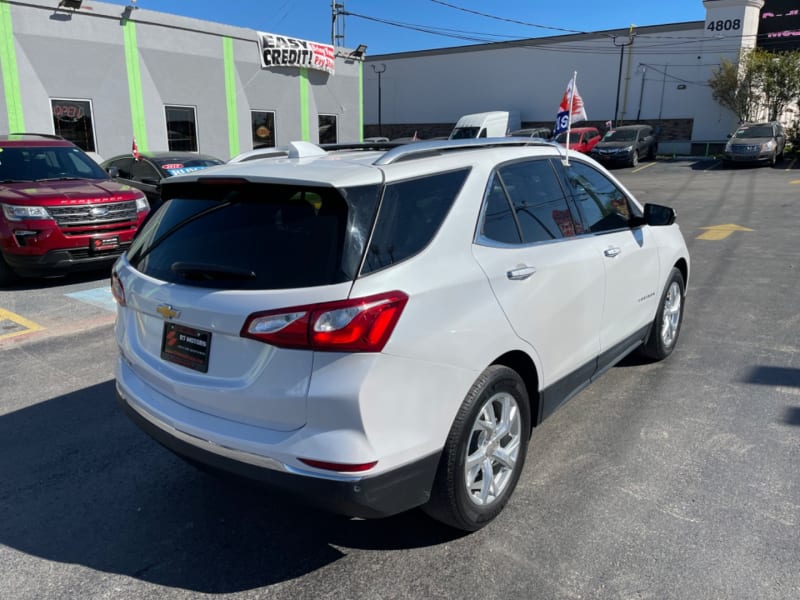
x=283, y=51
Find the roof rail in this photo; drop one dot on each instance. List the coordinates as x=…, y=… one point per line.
x=50, y=136
x=438, y=147
x=363, y=146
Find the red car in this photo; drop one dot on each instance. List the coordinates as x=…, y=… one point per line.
x=581, y=139
x=59, y=211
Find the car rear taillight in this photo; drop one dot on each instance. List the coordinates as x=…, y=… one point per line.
x=354, y=325
x=116, y=289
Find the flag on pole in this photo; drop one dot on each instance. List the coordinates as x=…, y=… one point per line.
x=135, y=150
x=571, y=109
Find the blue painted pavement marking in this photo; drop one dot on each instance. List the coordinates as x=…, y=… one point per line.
x=100, y=297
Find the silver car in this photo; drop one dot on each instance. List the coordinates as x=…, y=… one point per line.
x=756, y=143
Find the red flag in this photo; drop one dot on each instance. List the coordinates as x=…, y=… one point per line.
x=135, y=150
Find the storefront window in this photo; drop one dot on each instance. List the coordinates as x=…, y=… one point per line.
x=72, y=120
x=263, y=123
x=181, y=128
x=327, y=129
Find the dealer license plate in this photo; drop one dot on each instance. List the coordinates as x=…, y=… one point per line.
x=186, y=346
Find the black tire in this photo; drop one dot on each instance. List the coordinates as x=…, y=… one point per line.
x=7, y=274
x=461, y=498
x=635, y=158
x=669, y=316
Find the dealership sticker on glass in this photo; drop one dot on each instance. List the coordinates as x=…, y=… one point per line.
x=182, y=170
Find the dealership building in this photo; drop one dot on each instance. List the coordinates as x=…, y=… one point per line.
x=103, y=74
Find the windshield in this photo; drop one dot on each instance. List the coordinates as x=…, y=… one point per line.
x=461, y=133
x=574, y=138
x=620, y=135
x=43, y=163
x=754, y=132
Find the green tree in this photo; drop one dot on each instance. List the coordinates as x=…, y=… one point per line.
x=761, y=80
x=734, y=87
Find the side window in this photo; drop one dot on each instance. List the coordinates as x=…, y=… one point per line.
x=602, y=204
x=124, y=165
x=410, y=214
x=142, y=170
x=499, y=223
x=538, y=201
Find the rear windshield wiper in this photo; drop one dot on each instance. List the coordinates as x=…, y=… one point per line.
x=209, y=272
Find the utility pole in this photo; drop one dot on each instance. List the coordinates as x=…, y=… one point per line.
x=619, y=75
x=379, y=72
x=337, y=23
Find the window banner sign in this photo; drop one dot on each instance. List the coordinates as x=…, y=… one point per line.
x=282, y=51
x=779, y=26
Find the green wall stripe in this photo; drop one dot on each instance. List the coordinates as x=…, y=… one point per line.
x=135, y=85
x=361, y=102
x=8, y=65
x=230, y=96
x=305, y=117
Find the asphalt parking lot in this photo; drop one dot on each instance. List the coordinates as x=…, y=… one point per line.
x=669, y=480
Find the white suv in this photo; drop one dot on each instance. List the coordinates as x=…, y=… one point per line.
x=377, y=330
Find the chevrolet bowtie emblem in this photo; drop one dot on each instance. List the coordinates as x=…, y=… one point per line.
x=166, y=311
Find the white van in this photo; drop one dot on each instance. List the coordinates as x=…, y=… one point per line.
x=496, y=123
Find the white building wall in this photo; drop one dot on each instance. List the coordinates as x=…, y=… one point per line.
x=665, y=73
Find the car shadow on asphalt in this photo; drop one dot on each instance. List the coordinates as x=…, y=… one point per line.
x=101, y=276
x=82, y=485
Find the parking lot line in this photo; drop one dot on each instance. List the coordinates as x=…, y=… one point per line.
x=17, y=321
x=791, y=164
x=643, y=167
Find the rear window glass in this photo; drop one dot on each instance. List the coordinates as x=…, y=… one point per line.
x=411, y=213
x=256, y=236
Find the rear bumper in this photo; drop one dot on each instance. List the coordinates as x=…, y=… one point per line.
x=368, y=497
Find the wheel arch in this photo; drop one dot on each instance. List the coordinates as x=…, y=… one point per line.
x=683, y=267
x=526, y=369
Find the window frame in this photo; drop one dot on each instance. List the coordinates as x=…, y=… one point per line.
x=335, y=118
x=274, y=135
x=90, y=116
x=167, y=107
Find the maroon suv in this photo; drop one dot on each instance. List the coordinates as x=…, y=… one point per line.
x=60, y=211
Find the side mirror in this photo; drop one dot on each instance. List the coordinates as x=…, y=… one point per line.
x=656, y=215
x=113, y=172
x=730, y=135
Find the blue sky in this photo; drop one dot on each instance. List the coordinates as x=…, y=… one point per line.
x=311, y=19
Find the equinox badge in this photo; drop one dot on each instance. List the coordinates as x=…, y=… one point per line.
x=166, y=311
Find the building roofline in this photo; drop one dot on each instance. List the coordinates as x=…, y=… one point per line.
x=544, y=41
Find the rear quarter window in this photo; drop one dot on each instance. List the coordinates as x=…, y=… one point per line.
x=410, y=214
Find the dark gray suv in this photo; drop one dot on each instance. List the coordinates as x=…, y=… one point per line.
x=626, y=145
x=756, y=143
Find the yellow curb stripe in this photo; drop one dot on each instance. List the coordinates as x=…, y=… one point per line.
x=30, y=326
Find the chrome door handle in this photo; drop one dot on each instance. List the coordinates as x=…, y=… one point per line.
x=520, y=273
x=612, y=251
